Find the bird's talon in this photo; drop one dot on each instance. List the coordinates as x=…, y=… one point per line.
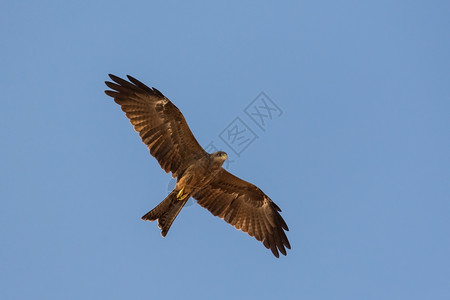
x=180, y=195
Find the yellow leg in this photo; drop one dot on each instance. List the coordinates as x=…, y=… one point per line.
x=181, y=195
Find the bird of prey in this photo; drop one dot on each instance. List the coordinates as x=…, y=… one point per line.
x=199, y=174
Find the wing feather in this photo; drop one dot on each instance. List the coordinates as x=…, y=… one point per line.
x=246, y=207
x=158, y=121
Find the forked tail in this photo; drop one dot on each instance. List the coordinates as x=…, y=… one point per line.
x=166, y=212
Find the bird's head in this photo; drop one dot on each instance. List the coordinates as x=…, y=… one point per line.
x=219, y=156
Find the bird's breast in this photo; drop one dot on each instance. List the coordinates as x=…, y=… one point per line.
x=197, y=175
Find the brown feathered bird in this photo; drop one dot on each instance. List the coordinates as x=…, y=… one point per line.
x=199, y=174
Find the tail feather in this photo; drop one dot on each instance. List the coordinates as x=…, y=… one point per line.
x=161, y=208
x=166, y=212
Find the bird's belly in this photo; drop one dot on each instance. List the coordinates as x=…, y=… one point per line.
x=195, y=178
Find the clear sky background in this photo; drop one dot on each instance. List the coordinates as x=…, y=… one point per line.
x=358, y=160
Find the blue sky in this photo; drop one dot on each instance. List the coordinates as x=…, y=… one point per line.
x=358, y=160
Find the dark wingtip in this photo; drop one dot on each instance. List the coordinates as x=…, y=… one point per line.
x=111, y=93
x=131, y=78
x=113, y=77
x=140, y=84
x=275, y=252
x=158, y=92
x=111, y=85
x=276, y=206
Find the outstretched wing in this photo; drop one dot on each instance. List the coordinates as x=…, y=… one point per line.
x=158, y=121
x=247, y=208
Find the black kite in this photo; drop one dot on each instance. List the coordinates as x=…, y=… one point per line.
x=200, y=175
